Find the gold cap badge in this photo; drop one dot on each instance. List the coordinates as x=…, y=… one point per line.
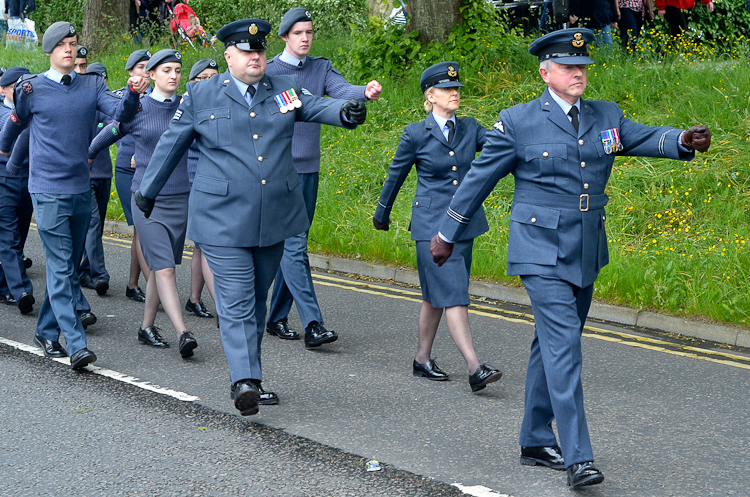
x=253, y=29
x=578, y=40
x=452, y=72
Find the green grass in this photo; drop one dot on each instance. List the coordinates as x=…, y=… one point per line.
x=678, y=231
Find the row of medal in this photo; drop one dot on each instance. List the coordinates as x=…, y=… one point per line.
x=611, y=141
x=288, y=101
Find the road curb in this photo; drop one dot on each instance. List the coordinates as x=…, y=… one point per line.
x=514, y=295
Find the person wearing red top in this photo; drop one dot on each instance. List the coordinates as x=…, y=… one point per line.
x=677, y=13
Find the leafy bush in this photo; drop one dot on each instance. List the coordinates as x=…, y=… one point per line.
x=50, y=11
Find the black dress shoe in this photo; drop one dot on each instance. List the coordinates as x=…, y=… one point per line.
x=50, y=348
x=245, y=396
x=26, y=303
x=584, y=473
x=188, y=343
x=282, y=330
x=27, y=263
x=151, y=336
x=316, y=335
x=547, y=456
x=8, y=299
x=87, y=318
x=266, y=398
x=429, y=370
x=101, y=286
x=135, y=294
x=82, y=358
x=482, y=376
x=86, y=281
x=2, y=298
x=198, y=309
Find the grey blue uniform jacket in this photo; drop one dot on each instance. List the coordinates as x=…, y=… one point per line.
x=555, y=169
x=246, y=192
x=441, y=168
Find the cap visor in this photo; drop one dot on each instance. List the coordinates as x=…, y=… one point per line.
x=573, y=61
x=246, y=47
x=449, y=84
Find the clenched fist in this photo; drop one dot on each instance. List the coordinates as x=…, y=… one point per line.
x=697, y=138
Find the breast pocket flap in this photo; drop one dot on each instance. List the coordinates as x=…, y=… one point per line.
x=212, y=114
x=548, y=151
x=543, y=217
x=422, y=202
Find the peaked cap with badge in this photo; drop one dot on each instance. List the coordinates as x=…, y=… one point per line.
x=293, y=16
x=248, y=35
x=564, y=46
x=441, y=75
x=56, y=33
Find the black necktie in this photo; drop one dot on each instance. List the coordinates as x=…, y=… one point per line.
x=300, y=64
x=66, y=79
x=168, y=100
x=251, y=91
x=573, y=113
x=451, y=130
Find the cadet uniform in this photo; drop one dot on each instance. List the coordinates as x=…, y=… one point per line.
x=61, y=194
x=557, y=241
x=246, y=197
x=293, y=283
x=15, y=217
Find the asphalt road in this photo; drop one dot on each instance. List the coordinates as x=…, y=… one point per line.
x=667, y=418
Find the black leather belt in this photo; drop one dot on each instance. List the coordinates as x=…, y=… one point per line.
x=582, y=202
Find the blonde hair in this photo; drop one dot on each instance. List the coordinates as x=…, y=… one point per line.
x=427, y=103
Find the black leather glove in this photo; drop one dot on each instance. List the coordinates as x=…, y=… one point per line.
x=146, y=205
x=355, y=111
x=381, y=226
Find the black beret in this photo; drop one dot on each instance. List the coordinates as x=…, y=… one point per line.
x=292, y=16
x=163, y=57
x=82, y=52
x=201, y=66
x=98, y=68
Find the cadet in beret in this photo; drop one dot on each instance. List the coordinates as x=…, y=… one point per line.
x=163, y=233
x=92, y=271
x=124, y=171
x=15, y=212
x=317, y=76
x=442, y=148
x=81, y=62
x=246, y=197
x=59, y=177
x=200, y=274
x=560, y=150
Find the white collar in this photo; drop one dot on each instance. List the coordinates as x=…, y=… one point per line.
x=565, y=106
x=291, y=59
x=159, y=97
x=7, y=103
x=58, y=76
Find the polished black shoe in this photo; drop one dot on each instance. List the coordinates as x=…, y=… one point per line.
x=27, y=263
x=584, y=473
x=150, y=336
x=316, y=335
x=198, y=309
x=101, y=286
x=482, y=376
x=2, y=298
x=26, y=303
x=429, y=370
x=86, y=281
x=82, y=358
x=8, y=299
x=245, y=396
x=547, y=456
x=87, y=318
x=282, y=330
x=188, y=343
x=135, y=294
x=50, y=348
x=266, y=398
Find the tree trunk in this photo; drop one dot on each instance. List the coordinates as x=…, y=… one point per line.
x=102, y=19
x=434, y=19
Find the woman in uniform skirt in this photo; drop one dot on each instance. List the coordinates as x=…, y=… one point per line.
x=162, y=235
x=442, y=148
x=200, y=274
x=124, y=171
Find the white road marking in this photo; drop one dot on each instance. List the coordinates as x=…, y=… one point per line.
x=479, y=491
x=131, y=380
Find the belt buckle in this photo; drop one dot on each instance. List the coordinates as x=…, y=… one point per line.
x=580, y=202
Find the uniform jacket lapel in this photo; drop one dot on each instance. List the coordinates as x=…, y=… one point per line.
x=433, y=127
x=263, y=92
x=587, y=120
x=556, y=114
x=231, y=90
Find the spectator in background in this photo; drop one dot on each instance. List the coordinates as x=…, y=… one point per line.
x=633, y=13
x=596, y=15
x=677, y=13
x=20, y=8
